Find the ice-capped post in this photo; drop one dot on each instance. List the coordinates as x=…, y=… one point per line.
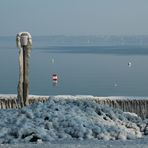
x=24, y=43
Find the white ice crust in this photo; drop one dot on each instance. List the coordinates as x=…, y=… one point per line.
x=67, y=117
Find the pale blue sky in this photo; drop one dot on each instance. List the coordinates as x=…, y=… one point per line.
x=74, y=17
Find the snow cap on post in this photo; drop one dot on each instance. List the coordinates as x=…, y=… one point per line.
x=23, y=39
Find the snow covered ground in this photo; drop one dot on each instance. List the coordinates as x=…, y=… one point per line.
x=67, y=121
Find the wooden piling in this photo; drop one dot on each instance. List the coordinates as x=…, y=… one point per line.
x=24, y=43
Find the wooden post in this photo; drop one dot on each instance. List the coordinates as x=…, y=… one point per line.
x=24, y=43
x=25, y=76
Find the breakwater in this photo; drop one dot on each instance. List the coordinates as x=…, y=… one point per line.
x=138, y=105
x=10, y=101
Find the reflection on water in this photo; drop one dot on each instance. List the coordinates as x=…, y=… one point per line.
x=55, y=83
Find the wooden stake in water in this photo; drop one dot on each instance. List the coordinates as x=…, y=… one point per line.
x=24, y=43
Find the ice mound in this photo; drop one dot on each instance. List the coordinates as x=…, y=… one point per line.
x=61, y=119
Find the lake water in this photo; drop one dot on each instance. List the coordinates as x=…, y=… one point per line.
x=82, y=68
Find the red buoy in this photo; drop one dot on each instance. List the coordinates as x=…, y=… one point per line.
x=54, y=77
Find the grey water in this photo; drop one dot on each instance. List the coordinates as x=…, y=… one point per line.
x=84, y=65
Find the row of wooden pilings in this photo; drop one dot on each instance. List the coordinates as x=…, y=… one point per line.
x=140, y=107
x=11, y=102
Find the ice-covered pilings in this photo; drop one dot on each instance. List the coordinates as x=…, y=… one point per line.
x=136, y=105
x=35, y=99
x=10, y=101
x=140, y=107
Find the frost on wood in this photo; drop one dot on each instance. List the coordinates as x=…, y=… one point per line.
x=65, y=119
x=23, y=85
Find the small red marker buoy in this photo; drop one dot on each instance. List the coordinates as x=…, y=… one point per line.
x=54, y=77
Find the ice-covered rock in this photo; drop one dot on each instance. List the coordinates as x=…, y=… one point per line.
x=67, y=118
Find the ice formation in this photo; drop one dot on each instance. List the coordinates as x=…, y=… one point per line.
x=63, y=118
x=24, y=43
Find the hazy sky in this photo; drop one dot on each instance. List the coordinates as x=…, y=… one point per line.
x=74, y=17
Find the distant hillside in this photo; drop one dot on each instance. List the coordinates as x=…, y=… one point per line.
x=94, y=40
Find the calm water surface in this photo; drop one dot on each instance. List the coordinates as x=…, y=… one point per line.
x=82, y=70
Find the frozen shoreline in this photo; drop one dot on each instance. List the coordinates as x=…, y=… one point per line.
x=132, y=104
x=69, y=118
